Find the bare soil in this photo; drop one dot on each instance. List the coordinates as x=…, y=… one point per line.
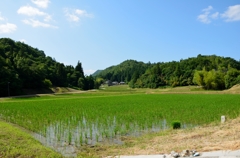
x=212, y=137
x=234, y=90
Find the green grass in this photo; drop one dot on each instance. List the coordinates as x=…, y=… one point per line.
x=115, y=111
x=16, y=143
x=124, y=110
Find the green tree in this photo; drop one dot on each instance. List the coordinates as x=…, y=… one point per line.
x=199, y=76
x=232, y=77
x=47, y=83
x=209, y=79
x=79, y=70
x=97, y=82
x=81, y=83
x=89, y=84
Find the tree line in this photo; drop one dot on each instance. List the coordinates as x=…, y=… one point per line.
x=25, y=67
x=210, y=72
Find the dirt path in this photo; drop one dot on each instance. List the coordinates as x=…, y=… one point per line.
x=48, y=94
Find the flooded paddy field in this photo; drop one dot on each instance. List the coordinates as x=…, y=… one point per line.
x=67, y=122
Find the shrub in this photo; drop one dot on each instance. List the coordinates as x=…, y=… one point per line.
x=176, y=124
x=47, y=83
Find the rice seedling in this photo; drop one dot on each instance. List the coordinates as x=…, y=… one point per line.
x=90, y=118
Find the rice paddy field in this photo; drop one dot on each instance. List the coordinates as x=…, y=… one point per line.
x=66, y=122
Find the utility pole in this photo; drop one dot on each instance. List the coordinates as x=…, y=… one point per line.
x=8, y=90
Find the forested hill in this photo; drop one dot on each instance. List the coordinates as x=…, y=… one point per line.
x=25, y=67
x=96, y=72
x=124, y=71
x=211, y=72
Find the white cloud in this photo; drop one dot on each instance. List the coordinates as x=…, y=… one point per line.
x=208, y=9
x=41, y=3
x=83, y=13
x=7, y=28
x=74, y=15
x=89, y=72
x=215, y=15
x=36, y=23
x=232, y=14
x=31, y=11
x=23, y=40
x=204, y=18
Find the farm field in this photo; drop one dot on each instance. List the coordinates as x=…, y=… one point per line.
x=68, y=122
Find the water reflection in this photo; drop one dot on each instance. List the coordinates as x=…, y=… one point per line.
x=68, y=137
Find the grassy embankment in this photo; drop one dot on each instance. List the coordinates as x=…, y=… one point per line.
x=15, y=142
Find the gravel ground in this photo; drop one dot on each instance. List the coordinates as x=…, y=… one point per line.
x=212, y=154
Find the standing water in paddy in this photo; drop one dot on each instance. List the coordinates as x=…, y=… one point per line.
x=68, y=123
x=66, y=138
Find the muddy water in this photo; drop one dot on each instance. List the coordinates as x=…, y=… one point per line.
x=67, y=139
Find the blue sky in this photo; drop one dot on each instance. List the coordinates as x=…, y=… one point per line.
x=104, y=33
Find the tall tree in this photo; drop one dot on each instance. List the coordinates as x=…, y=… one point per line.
x=79, y=69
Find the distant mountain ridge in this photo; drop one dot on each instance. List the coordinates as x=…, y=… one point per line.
x=96, y=73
